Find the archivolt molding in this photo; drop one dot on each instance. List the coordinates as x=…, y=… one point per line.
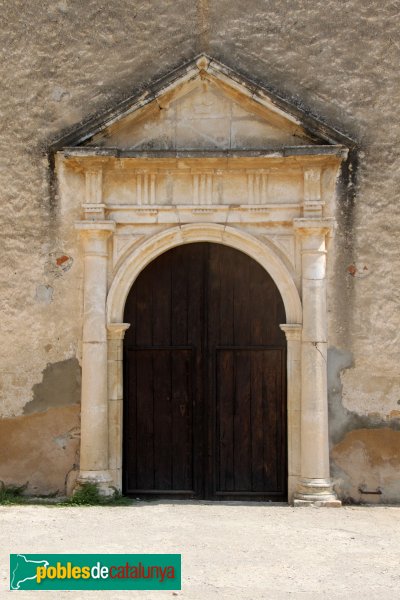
x=151, y=248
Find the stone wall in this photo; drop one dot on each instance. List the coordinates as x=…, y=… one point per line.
x=66, y=61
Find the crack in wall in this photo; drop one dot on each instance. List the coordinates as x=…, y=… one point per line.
x=315, y=344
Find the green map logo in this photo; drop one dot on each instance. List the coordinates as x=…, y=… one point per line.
x=95, y=572
x=24, y=570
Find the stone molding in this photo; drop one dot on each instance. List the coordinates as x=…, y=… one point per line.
x=149, y=249
x=140, y=248
x=265, y=188
x=116, y=331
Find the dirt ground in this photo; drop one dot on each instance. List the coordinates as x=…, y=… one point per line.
x=230, y=551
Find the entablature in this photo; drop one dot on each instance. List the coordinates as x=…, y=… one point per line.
x=169, y=187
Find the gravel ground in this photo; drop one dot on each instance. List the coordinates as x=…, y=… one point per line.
x=229, y=551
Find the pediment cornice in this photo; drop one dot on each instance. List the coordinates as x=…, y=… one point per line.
x=283, y=113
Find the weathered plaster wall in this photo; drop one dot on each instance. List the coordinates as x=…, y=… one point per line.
x=65, y=61
x=41, y=450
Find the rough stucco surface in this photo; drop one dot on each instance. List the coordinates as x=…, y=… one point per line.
x=41, y=450
x=66, y=61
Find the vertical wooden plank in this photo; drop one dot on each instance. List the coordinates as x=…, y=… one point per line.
x=224, y=410
x=270, y=325
x=270, y=419
x=144, y=419
x=130, y=412
x=265, y=308
x=162, y=300
x=162, y=419
x=195, y=293
x=241, y=420
x=139, y=311
x=179, y=296
x=257, y=432
x=260, y=309
x=196, y=338
x=226, y=305
x=182, y=415
x=281, y=421
x=215, y=259
x=212, y=335
x=241, y=301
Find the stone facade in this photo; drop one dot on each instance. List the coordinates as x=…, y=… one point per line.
x=67, y=63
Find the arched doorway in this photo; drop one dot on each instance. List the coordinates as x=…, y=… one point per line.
x=205, y=378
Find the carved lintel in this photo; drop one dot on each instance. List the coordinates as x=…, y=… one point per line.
x=94, y=186
x=93, y=207
x=152, y=188
x=203, y=188
x=89, y=227
x=93, y=211
x=257, y=187
x=317, y=226
x=204, y=210
x=312, y=184
x=313, y=209
x=313, y=205
x=145, y=188
x=146, y=211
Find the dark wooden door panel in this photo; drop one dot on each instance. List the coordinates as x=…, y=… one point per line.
x=204, y=408
x=158, y=442
x=244, y=305
x=250, y=449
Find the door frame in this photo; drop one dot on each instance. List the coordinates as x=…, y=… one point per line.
x=206, y=486
x=277, y=204
x=135, y=261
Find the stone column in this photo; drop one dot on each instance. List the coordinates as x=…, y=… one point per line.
x=116, y=332
x=293, y=337
x=315, y=486
x=94, y=402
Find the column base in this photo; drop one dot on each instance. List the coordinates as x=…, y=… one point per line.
x=116, y=475
x=316, y=492
x=102, y=479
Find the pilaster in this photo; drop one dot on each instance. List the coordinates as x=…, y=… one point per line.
x=94, y=407
x=116, y=333
x=293, y=338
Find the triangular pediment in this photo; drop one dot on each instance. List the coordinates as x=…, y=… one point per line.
x=201, y=114
x=203, y=106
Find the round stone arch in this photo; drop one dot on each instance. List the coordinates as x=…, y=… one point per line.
x=136, y=260
x=133, y=264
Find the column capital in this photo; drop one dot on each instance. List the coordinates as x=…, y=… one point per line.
x=95, y=228
x=317, y=226
x=292, y=331
x=95, y=235
x=116, y=331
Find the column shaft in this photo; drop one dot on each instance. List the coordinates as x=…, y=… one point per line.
x=315, y=483
x=94, y=399
x=293, y=337
x=116, y=332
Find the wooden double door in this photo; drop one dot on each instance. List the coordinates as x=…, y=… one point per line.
x=204, y=379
